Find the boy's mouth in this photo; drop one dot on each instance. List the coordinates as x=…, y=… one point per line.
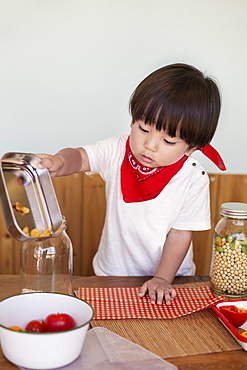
x=146, y=159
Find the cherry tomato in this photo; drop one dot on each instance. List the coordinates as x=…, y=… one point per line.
x=237, y=316
x=36, y=326
x=59, y=322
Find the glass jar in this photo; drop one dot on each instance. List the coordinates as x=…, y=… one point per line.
x=46, y=264
x=229, y=257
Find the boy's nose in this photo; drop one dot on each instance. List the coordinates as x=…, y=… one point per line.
x=151, y=144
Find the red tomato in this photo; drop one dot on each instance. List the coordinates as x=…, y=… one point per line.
x=36, y=326
x=59, y=322
x=237, y=316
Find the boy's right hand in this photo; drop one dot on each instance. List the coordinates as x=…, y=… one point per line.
x=65, y=162
x=53, y=163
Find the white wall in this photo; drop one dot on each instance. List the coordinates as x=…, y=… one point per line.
x=68, y=67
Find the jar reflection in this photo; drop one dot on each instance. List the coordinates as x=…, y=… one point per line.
x=46, y=265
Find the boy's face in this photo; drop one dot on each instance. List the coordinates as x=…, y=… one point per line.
x=154, y=148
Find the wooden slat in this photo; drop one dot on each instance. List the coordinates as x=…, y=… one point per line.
x=202, y=240
x=93, y=216
x=232, y=188
x=69, y=194
x=6, y=248
x=16, y=245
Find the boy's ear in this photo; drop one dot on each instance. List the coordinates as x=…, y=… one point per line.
x=189, y=152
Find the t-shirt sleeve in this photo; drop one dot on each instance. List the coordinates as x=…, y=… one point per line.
x=104, y=153
x=195, y=212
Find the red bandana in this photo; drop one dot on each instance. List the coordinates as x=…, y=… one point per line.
x=140, y=183
x=214, y=156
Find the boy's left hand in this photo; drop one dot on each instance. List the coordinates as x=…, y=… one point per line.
x=159, y=290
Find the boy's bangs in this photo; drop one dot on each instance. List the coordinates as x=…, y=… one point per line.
x=163, y=117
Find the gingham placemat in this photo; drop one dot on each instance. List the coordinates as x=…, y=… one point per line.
x=124, y=303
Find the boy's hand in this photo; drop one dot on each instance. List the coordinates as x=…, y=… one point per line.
x=52, y=162
x=159, y=290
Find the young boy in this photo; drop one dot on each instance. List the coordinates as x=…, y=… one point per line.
x=156, y=193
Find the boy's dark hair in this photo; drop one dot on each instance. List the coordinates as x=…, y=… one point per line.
x=179, y=99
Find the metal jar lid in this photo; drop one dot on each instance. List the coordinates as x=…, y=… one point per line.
x=234, y=210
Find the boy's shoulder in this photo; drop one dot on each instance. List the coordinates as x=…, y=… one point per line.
x=193, y=170
x=115, y=145
x=118, y=140
x=194, y=163
x=109, y=144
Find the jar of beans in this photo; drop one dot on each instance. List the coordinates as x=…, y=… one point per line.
x=229, y=257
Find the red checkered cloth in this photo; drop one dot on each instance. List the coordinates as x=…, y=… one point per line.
x=124, y=303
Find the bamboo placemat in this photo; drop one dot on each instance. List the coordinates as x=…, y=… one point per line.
x=197, y=333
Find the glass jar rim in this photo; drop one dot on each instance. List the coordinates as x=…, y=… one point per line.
x=234, y=210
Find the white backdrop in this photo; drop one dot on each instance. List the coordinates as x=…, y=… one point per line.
x=68, y=67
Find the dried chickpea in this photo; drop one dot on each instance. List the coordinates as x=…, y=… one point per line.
x=35, y=233
x=18, y=207
x=26, y=230
x=229, y=265
x=46, y=233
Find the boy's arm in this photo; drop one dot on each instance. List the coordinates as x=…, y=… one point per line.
x=66, y=162
x=159, y=288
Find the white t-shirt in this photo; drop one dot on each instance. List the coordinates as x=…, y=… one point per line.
x=134, y=233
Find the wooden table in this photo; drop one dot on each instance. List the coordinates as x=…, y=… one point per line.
x=10, y=284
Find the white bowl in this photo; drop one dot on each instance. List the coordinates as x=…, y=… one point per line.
x=42, y=350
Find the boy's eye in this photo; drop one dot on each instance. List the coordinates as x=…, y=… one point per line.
x=169, y=142
x=142, y=129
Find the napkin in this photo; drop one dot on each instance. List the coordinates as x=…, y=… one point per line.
x=106, y=350
x=124, y=303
